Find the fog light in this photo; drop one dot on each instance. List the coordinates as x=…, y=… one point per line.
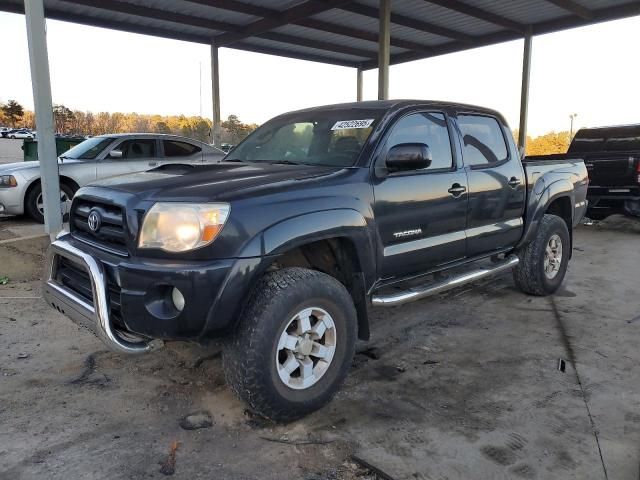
x=178, y=299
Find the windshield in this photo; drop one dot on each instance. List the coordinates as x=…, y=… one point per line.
x=330, y=137
x=89, y=149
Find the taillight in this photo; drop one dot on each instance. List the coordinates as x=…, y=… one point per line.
x=638, y=168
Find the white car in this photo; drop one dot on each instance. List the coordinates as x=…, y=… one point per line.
x=97, y=158
x=21, y=134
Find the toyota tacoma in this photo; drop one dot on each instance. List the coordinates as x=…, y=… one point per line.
x=280, y=249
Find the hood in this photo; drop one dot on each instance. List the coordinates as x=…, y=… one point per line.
x=10, y=168
x=222, y=181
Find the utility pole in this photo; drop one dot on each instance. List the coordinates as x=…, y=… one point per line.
x=200, y=85
x=572, y=117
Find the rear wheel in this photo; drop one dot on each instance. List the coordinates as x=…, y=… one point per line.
x=34, y=203
x=294, y=344
x=543, y=262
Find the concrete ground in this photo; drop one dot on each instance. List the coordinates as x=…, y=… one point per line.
x=466, y=385
x=11, y=150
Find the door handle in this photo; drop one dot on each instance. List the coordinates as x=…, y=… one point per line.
x=514, y=182
x=153, y=164
x=456, y=190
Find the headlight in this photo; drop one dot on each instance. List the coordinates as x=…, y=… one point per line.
x=7, y=181
x=179, y=227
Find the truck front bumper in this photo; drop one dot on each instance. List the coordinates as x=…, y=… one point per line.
x=93, y=314
x=128, y=303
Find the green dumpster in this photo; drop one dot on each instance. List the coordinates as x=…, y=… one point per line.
x=30, y=146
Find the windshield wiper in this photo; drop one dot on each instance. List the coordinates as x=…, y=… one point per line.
x=233, y=160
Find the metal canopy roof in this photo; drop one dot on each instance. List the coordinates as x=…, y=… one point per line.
x=336, y=31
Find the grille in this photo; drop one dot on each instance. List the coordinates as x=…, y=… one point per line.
x=111, y=234
x=76, y=279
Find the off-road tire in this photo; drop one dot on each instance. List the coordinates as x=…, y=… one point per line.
x=529, y=274
x=249, y=355
x=30, y=205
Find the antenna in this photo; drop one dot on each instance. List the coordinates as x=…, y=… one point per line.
x=200, y=78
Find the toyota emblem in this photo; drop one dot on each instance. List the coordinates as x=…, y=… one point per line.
x=94, y=220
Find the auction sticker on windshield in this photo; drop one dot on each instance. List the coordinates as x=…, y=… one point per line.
x=346, y=124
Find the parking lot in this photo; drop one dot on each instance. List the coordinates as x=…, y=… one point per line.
x=10, y=150
x=477, y=383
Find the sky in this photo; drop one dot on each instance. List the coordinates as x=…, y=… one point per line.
x=592, y=71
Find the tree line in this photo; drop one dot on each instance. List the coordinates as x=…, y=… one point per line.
x=77, y=122
x=552, y=142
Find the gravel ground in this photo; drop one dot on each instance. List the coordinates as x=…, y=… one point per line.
x=464, y=385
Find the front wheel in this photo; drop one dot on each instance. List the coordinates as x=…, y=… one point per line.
x=34, y=203
x=543, y=262
x=294, y=344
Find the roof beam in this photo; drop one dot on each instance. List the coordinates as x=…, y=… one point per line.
x=250, y=9
x=573, y=7
x=287, y=53
x=63, y=16
x=238, y=7
x=409, y=22
x=304, y=42
x=476, y=12
x=57, y=14
x=201, y=22
x=290, y=15
x=601, y=15
x=156, y=14
x=360, y=34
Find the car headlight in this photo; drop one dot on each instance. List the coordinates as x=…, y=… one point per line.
x=7, y=181
x=179, y=227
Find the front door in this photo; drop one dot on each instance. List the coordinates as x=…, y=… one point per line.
x=421, y=214
x=137, y=155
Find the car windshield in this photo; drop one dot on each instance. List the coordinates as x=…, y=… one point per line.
x=89, y=149
x=327, y=138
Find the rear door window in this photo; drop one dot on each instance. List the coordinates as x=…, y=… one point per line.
x=483, y=142
x=174, y=148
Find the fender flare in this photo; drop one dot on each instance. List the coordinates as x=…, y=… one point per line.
x=539, y=203
x=289, y=234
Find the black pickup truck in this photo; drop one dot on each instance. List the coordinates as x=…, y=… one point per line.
x=612, y=158
x=315, y=217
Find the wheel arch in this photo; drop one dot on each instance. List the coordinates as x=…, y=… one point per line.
x=335, y=242
x=558, y=198
x=70, y=182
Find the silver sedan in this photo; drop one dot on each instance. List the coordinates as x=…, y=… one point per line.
x=97, y=158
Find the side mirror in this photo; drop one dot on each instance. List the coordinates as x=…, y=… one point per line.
x=115, y=154
x=409, y=156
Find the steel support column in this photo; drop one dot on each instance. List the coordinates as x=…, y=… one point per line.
x=41, y=83
x=215, y=95
x=359, y=85
x=524, y=93
x=384, y=38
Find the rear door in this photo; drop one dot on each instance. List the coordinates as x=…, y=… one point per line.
x=497, y=185
x=178, y=151
x=421, y=214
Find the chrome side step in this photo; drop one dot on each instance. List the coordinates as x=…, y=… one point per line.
x=416, y=293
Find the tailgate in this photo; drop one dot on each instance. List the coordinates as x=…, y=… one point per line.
x=612, y=170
